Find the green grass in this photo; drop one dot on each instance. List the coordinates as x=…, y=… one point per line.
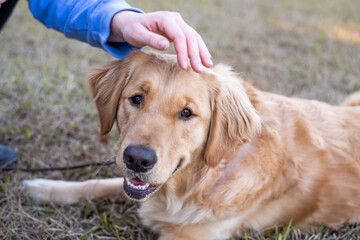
x=304, y=48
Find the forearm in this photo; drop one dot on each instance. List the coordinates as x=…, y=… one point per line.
x=85, y=20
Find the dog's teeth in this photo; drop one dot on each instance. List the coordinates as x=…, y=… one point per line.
x=139, y=187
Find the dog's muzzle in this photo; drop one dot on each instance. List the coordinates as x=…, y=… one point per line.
x=138, y=159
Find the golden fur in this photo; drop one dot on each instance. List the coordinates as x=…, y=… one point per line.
x=247, y=160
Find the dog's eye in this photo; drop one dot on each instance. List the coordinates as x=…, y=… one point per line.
x=136, y=100
x=186, y=114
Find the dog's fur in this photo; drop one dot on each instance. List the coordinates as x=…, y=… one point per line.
x=246, y=160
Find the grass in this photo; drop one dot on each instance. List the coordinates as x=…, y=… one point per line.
x=304, y=48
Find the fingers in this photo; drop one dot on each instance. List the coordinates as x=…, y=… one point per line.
x=187, y=42
x=193, y=49
x=157, y=30
x=180, y=45
x=152, y=39
x=204, y=53
x=168, y=26
x=198, y=53
x=131, y=27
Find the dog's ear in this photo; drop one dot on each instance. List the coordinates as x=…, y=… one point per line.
x=107, y=83
x=234, y=119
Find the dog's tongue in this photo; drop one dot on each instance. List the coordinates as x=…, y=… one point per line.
x=136, y=181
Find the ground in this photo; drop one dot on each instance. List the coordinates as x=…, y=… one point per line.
x=296, y=48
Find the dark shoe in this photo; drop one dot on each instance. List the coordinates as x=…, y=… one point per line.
x=8, y=157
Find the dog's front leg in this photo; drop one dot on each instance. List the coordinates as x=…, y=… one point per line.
x=65, y=192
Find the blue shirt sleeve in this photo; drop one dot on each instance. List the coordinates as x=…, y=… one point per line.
x=85, y=20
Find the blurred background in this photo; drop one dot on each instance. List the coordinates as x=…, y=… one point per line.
x=298, y=48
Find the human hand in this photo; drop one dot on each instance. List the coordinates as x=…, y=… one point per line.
x=157, y=30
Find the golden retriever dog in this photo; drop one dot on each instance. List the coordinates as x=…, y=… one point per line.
x=210, y=156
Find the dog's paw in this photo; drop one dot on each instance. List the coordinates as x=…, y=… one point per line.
x=38, y=189
x=44, y=190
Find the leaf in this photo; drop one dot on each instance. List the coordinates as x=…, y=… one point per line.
x=28, y=134
x=106, y=223
x=93, y=229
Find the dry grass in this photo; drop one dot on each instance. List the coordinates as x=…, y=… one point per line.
x=304, y=48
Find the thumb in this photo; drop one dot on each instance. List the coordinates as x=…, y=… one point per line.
x=154, y=40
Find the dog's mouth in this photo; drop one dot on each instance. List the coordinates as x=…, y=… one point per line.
x=137, y=189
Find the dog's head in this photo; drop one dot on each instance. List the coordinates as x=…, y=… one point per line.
x=168, y=117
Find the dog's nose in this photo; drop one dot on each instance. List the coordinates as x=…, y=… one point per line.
x=139, y=159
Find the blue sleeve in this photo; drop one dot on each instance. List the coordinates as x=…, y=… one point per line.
x=85, y=20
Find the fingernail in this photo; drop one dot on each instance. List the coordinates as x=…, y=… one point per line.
x=185, y=64
x=162, y=44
